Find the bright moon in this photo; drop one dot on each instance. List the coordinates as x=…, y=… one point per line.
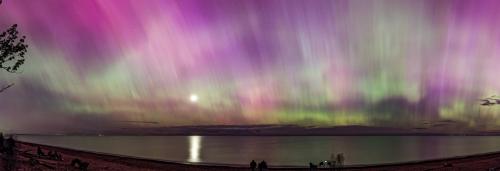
x=193, y=98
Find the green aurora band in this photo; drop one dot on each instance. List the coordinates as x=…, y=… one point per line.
x=96, y=64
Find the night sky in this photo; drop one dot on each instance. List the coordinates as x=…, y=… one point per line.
x=96, y=64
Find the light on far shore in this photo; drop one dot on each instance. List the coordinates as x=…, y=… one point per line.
x=193, y=98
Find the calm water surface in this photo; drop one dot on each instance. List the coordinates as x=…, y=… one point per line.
x=278, y=150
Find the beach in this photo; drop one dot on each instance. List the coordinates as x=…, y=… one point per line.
x=98, y=161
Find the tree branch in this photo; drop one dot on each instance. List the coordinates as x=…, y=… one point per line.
x=6, y=87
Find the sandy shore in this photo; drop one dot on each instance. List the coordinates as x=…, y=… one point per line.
x=118, y=163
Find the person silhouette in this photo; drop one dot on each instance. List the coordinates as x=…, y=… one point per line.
x=264, y=165
x=1, y=142
x=58, y=156
x=253, y=165
x=340, y=159
x=321, y=164
x=11, y=145
x=312, y=166
x=39, y=151
x=77, y=163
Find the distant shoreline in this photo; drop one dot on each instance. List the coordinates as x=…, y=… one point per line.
x=275, y=130
x=264, y=135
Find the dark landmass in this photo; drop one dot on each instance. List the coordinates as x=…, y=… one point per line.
x=439, y=128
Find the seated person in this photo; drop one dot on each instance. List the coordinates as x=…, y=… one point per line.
x=39, y=151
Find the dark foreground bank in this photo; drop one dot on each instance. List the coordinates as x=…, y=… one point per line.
x=27, y=159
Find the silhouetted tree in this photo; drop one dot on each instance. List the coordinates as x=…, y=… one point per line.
x=12, y=51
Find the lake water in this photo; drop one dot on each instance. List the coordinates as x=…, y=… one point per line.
x=278, y=150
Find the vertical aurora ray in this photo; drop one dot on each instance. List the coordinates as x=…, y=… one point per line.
x=380, y=62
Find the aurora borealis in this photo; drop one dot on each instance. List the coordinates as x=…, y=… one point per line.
x=94, y=64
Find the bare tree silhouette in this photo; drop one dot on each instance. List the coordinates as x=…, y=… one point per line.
x=12, y=51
